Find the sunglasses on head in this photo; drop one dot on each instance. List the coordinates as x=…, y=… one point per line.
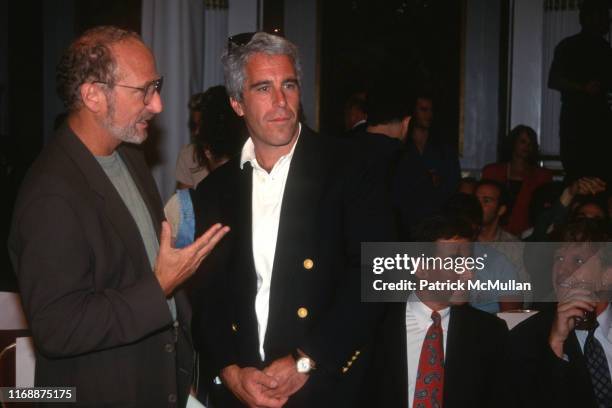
x=239, y=40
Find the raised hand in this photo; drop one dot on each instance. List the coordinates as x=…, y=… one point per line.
x=174, y=266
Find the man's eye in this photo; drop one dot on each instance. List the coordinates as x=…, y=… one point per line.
x=263, y=88
x=290, y=85
x=579, y=261
x=559, y=258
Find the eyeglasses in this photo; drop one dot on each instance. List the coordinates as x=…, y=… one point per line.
x=148, y=90
x=239, y=40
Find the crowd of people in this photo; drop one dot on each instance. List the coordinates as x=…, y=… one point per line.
x=245, y=290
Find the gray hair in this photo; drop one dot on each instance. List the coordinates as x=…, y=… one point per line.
x=235, y=58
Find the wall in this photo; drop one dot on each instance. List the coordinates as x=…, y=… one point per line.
x=243, y=16
x=301, y=29
x=526, y=63
x=481, y=82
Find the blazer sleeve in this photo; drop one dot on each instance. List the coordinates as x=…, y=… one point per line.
x=67, y=315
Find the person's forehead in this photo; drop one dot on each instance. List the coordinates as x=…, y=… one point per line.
x=576, y=248
x=134, y=60
x=262, y=65
x=487, y=191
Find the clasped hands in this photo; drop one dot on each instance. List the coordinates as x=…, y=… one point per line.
x=268, y=388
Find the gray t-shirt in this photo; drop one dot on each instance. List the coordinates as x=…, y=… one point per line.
x=117, y=172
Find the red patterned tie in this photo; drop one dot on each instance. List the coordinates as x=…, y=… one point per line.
x=429, y=389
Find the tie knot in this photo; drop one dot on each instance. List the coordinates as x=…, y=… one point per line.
x=592, y=329
x=435, y=316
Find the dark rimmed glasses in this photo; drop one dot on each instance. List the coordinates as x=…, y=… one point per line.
x=148, y=90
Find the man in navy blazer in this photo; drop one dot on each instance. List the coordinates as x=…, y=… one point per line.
x=287, y=326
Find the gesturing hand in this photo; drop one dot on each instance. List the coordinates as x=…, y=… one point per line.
x=289, y=380
x=251, y=386
x=173, y=266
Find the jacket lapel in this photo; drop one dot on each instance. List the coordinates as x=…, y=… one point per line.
x=457, y=347
x=107, y=198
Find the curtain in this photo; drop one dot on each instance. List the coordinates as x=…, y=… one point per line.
x=560, y=21
x=174, y=30
x=215, y=40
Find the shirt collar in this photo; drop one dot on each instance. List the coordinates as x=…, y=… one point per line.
x=422, y=312
x=248, y=151
x=605, y=322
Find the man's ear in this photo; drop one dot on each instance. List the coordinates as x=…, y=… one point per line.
x=92, y=96
x=237, y=106
x=502, y=210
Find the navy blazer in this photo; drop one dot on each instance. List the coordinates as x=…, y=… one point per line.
x=541, y=379
x=472, y=364
x=332, y=202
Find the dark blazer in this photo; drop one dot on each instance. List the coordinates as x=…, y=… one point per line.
x=540, y=378
x=99, y=319
x=331, y=203
x=472, y=375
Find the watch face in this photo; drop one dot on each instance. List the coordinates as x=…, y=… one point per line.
x=303, y=365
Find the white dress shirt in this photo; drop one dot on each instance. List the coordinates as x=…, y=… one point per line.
x=603, y=333
x=418, y=320
x=268, y=190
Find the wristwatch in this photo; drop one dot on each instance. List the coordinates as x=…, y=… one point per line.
x=303, y=364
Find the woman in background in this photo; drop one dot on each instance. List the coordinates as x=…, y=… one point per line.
x=219, y=135
x=520, y=172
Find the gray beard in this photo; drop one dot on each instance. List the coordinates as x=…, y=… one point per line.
x=128, y=133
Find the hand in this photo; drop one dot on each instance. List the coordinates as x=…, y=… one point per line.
x=173, y=266
x=285, y=372
x=564, y=323
x=251, y=386
x=583, y=186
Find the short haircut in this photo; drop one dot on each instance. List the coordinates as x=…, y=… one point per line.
x=385, y=105
x=592, y=7
x=89, y=58
x=465, y=206
x=236, y=57
x=583, y=230
x=504, y=196
x=356, y=100
x=442, y=226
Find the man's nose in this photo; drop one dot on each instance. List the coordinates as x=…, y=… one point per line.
x=279, y=97
x=156, y=105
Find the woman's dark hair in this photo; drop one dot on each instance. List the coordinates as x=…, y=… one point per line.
x=508, y=144
x=221, y=132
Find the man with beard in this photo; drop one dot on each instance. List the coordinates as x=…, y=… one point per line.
x=96, y=269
